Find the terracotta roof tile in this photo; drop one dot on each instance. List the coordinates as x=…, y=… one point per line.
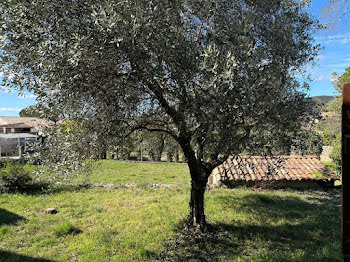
x=256, y=168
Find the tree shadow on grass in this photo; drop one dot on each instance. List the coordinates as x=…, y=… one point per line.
x=307, y=231
x=9, y=218
x=49, y=189
x=13, y=257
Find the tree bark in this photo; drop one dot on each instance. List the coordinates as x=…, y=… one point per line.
x=197, y=216
x=199, y=178
x=103, y=154
x=176, y=156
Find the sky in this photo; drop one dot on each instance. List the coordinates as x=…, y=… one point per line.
x=334, y=57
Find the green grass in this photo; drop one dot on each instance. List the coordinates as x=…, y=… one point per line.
x=126, y=224
x=145, y=224
x=123, y=172
x=66, y=228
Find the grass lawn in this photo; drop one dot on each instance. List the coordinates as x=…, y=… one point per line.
x=145, y=224
x=138, y=173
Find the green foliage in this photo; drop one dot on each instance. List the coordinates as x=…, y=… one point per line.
x=217, y=76
x=330, y=129
x=72, y=137
x=154, y=145
x=208, y=74
x=14, y=177
x=322, y=100
x=126, y=147
x=172, y=149
x=40, y=110
x=308, y=143
x=331, y=126
x=340, y=80
x=157, y=143
x=319, y=174
x=336, y=154
x=334, y=106
x=29, y=111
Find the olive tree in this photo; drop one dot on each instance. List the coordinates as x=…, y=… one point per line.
x=217, y=76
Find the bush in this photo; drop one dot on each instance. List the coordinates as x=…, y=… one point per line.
x=13, y=177
x=336, y=154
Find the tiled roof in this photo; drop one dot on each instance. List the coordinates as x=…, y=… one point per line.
x=258, y=168
x=18, y=125
x=33, y=121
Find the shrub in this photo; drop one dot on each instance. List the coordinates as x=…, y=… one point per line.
x=336, y=154
x=13, y=177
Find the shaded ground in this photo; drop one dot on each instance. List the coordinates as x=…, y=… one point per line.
x=13, y=257
x=282, y=228
x=9, y=218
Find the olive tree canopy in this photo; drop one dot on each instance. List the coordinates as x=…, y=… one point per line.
x=218, y=76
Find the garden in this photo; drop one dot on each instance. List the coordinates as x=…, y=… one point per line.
x=141, y=222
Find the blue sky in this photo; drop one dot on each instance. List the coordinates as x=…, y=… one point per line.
x=334, y=57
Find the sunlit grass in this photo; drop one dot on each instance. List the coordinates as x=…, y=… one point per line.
x=123, y=172
x=140, y=225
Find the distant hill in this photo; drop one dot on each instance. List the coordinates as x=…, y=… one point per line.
x=323, y=99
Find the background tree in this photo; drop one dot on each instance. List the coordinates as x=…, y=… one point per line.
x=309, y=142
x=29, y=111
x=154, y=145
x=217, y=76
x=172, y=149
x=40, y=110
x=331, y=126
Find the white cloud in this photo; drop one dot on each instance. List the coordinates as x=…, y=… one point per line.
x=340, y=38
x=322, y=77
x=9, y=109
x=337, y=66
x=321, y=57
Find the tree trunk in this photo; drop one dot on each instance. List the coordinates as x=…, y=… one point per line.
x=199, y=178
x=176, y=155
x=197, y=217
x=103, y=154
x=152, y=156
x=169, y=156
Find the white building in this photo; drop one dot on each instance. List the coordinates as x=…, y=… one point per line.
x=18, y=131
